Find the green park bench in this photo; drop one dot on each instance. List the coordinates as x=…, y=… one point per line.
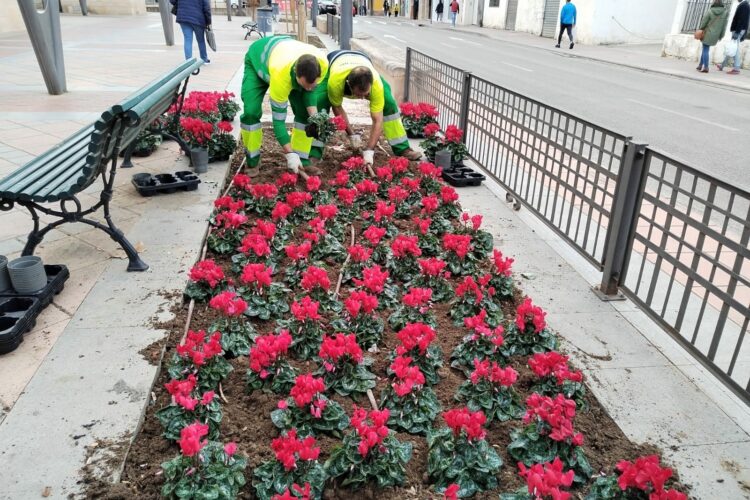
x=60, y=174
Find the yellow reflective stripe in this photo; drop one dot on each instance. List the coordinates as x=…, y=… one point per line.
x=252, y=140
x=301, y=144
x=394, y=132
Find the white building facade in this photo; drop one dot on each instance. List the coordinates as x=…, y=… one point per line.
x=599, y=21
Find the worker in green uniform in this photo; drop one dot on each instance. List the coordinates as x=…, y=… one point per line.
x=352, y=75
x=290, y=70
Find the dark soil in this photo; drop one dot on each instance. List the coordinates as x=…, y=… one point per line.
x=246, y=416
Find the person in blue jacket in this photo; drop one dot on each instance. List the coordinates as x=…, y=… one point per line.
x=193, y=16
x=567, y=22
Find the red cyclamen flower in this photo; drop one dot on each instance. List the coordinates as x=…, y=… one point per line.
x=229, y=304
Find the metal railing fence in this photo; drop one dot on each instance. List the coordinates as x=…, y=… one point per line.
x=334, y=26
x=673, y=239
x=694, y=12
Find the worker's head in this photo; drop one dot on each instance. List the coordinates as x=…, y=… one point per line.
x=307, y=71
x=718, y=3
x=360, y=81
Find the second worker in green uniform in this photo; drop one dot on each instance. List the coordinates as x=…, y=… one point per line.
x=352, y=75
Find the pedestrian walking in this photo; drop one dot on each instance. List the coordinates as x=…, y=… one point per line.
x=439, y=10
x=712, y=28
x=739, y=27
x=395, y=10
x=567, y=22
x=193, y=16
x=454, y=12
x=385, y=8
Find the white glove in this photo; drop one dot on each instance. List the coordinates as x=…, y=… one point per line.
x=355, y=140
x=369, y=156
x=293, y=162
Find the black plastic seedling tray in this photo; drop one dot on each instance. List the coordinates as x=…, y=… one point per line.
x=57, y=275
x=17, y=316
x=462, y=177
x=148, y=184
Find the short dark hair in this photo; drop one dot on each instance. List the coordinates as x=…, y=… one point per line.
x=307, y=67
x=360, y=78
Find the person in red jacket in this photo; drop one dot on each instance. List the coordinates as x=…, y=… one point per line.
x=454, y=12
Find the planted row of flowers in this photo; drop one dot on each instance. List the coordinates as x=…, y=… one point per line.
x=335, y=272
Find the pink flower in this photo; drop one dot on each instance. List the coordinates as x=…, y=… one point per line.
x=230, y=449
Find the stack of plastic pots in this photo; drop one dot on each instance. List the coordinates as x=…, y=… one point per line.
x=4, y=276
x=27, y=274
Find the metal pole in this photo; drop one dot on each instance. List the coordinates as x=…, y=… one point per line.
x=622, y=219
x=463, y=117
x=84, y=7
x=166, y=21
x=407, y=75
x=229, y=10
x=44, y=31
x=346, y=25
x=314, y=13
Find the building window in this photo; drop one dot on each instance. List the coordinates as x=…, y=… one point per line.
x=494, y=3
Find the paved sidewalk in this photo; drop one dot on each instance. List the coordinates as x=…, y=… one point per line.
x=645, y=57
x=106, y=59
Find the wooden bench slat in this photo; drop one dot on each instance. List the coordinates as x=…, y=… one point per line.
x=131, y=101
x=73, y=165
x=39, y=166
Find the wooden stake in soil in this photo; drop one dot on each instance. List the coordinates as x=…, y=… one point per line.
x=341, y=273
x=371, y=397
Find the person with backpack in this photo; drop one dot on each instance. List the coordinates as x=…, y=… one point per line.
x=711, y=30
x=568, y=16
x=739, y=26
x=439, y=10
x=193, y=16
x=454, y=12
x=289, y=71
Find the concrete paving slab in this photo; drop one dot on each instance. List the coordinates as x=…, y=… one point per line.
x=98, y=397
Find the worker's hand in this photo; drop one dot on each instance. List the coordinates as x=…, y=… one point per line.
x=356, y=141
x=369, y=156
x=293, y=162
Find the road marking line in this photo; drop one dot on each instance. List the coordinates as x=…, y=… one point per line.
x=691, y=117
x=464, y=41
x=395, y=38
x=157, y=25
x=381, y=22
x=517, y=67
x=368, y=22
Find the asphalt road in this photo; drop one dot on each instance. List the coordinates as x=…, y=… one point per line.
x=704, y=126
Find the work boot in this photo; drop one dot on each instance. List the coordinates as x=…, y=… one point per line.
x=252, y=171
x=411, y=155
x=557, y=46
x=571, y=45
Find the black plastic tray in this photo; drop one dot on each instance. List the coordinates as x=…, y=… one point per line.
x=17, y=316
x=57, y=275
x=148, y=185
x=462, y=177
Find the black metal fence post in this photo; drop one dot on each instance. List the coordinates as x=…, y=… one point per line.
x=463, y=120
x=630, y=182
x=407, y=74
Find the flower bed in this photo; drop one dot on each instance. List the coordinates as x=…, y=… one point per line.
x=464, y=367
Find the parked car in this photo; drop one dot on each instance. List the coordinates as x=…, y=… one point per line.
x=327, y=7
